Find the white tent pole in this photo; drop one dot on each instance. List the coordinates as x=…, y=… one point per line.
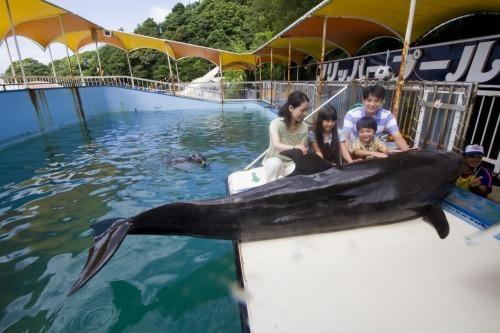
x=271, y=76
x=177, y=72
x=52, y=61
x=98, y=58
x=169, y=66
x=221, y=80
x=130, y=69
x=10, y=58
x=65, y=44
x=11, y=21
x=402, y=66
x=79, y=66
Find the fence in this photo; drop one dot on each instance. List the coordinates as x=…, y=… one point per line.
x=439, y=115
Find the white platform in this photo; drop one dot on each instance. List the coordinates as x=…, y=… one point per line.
x=392, y=278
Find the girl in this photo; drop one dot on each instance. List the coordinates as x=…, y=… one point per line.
x=286, y=132
x=326, y=141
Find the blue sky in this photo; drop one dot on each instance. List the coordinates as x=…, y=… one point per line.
x=111, y=14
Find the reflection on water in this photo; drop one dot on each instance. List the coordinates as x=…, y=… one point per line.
x=54, y=186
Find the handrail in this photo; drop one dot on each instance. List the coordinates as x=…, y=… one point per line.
x=307, y=117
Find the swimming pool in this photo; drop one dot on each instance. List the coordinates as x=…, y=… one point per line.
x=54, y=186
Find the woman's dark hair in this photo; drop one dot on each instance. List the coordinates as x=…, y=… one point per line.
x=331, y=152
x=367, y=122
x=294, y=99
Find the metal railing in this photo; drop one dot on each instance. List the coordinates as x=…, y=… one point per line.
x=484, y=123
x=433, y=114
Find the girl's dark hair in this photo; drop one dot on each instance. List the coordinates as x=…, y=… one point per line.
x=367, y=122
x=330, y=152
x=294, y=99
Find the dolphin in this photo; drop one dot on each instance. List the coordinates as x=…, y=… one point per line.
x=317, y=197
x=194, y=158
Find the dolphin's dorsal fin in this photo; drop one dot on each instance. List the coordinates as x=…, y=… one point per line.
x=306, y=164
x=435, y=216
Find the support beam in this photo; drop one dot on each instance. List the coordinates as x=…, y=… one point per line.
x=260, y=78
x=271, y=76
x=289, y=58
x=130, y=69
x=93, y=34
x=101, y=71
x=13, y=29
x=177, y=72
x=79, y=67
x=65, y=45
x=221, y=81
x=323, y=43
x=52, y=61
x=402, y=66
x=10, y=59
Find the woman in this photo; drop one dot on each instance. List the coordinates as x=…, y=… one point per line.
x=286, y=132
x=326, y=140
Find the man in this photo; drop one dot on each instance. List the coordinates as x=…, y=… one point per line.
x=373, y=98
x=475, y=177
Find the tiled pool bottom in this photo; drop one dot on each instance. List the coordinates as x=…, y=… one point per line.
x=54, y=186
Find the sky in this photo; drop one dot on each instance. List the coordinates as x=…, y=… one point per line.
x=111, y=14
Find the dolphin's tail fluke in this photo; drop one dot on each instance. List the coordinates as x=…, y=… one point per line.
x=106, y=242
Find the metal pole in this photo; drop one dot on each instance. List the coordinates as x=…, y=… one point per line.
x=271, y=76
x=260, y=78
x=298, y=72
x=323, y=42
x=98, y=58
x=177, y=72
x=221, y=80
x=52, y=62
x=10, y=58
x=65, y=44
x=130, y=69
x=402, y=66
x=79, y=66
x=289, y=59
x=169, y=66
x=15, y=40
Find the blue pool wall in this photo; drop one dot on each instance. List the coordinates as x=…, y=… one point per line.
x=27, y=113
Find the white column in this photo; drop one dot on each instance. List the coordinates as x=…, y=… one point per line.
x=10, y=59
x=79, y=66
x=130, y=69
x=52, y=61
x=15, y=40
x=65, y=44
x=402, y=66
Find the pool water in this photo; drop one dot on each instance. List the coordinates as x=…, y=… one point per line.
x=116, y=165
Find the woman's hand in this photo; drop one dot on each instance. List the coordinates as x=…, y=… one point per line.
x=379, y=155
x=302, y=148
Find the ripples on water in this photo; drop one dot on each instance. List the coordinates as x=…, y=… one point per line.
x=51, y=189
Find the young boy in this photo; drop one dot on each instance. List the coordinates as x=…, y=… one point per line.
x=367, y=145
x=373, y=98
x=475, y=177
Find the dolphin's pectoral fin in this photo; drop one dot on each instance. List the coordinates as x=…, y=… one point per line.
x=105, y=245
x=306, y=164
x=101, y=226
x=435, y=216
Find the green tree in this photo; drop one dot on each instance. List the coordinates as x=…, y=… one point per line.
x=31, y=66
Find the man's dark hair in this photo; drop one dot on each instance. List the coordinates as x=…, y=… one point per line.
x=377, y=91
x=367, y=122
